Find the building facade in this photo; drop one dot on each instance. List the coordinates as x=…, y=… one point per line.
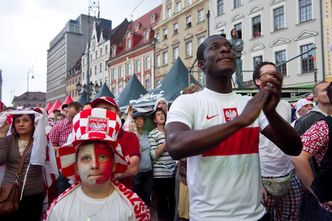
x=64, y=50
x=30, y=99
x=133, y=54
x=73, y=77
x=277, y=31
x=327, y=37
x=182, y=28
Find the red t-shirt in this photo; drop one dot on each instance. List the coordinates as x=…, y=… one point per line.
x=130, y=147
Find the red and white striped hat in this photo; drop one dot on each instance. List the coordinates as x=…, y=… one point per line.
x=94, y=124
x=105, y=99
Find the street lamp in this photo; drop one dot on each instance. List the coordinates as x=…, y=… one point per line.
x=87, y=89
x=28, y=77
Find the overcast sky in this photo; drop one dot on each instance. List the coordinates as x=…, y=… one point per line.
x=27, y=27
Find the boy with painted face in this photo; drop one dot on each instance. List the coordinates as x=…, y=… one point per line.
x=92, y=159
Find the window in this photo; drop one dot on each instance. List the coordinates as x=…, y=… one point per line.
x=157, y=37
x=121, y=71
x=95, y=69
x=106, y=66
x=220, y=7
x=236, y=3
x=307, y=60
x=256, y=26
x=175, y=53
x=189, y=49
x=100, y=52
x=188, y=21
x=147, y=63
x=138, y=66
x=128, y=43
x=146, y=35
x=169, y=13
x=178, y=6
x=305, y=10
x=279, y=18
x=106, y=49
x=147, y=84
x=189, y=2
x=200, y=40
x=165, y=57
x=280, y=59
x=165, y=33
x=238, y=28
x=200, y=15
x=100, y=67
x=257, y=60
x=113, y=74
x=129, y=69
x=175, y=28
x=96, y=54
x=158, y=60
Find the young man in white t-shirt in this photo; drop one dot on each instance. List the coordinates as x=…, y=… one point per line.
x=282, y=191
x=92, y=158
x=218, y=130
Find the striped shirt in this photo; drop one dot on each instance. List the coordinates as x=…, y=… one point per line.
x=164, y=166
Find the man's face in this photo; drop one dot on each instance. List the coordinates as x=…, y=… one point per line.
x=304, y=109
x=162, y=104
x=159, y=118
x=65, y=110
x=321, y=96
x=139, y=122
x=107, y=106
x=59, y=118
x=72, y=112
x=94, y=163
x=219, y=58
x=267, y=71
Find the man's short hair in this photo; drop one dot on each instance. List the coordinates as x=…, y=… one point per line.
x=202, y=46
x=75, y=105
x=64, y=106
x=257, y=72
x=314, y=89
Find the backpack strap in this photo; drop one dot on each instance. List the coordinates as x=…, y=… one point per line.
x=327, y=159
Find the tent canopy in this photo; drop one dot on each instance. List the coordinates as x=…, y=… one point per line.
x=170, y=87
x=48, y=106
x=104, y=91
x=83, y=98
x=68, y=100
x=56, y=106
x=132, y=91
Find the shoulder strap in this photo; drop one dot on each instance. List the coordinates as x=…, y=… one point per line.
x=24, y=155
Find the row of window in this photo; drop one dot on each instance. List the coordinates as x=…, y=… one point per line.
x=127, y=70
x=278, y=19
x=178, y=8
x=307, y=60
x=162, y=59
x=95, y=57
x=188, y=24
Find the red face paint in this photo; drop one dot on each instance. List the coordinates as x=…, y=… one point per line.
x=95, y=162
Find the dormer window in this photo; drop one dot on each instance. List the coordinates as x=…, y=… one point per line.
x=128, y=43
x=146, y=35
x=153, y=17
x=137, y=26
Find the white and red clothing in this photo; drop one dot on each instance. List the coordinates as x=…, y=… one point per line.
x=122, y=204
x=224, y=182
x=315, y=141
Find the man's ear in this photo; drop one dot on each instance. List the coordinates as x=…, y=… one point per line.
x=258, y=82
x=201, y=64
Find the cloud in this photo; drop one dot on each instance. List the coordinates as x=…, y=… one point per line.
x=28, y=26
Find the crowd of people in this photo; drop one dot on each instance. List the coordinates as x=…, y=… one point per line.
x=212, y=155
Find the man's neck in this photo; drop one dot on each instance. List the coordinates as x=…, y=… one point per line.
x=98, y=191
x=140, y=131
x=161, y=127
x=219, y=85
x=327, y=109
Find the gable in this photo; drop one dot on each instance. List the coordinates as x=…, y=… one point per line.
x=280, y=41
x=305, y=34
x=255, y=9
x=257, y=47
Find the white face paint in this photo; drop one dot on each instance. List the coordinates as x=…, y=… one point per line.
x=94, y=163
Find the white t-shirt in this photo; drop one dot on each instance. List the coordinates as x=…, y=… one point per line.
x=77, y=206
x=274, y=162
x=224, y=182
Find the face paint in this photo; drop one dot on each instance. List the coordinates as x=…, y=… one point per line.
x=95, y=163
